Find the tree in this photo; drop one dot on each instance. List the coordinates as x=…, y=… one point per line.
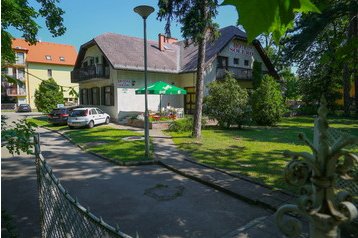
x=291, y=84
x=48, y=95
x=256, y=74
x=227, y=102
x=195, y=16
x=267, y=102
x=21, y=16
x=327, y=40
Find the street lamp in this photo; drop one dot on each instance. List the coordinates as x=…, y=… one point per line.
x=144, y=12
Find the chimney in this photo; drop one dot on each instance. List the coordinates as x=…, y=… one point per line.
x=162, y=39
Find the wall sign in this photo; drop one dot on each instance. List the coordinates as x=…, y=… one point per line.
x=239, y=48
x=125, y=83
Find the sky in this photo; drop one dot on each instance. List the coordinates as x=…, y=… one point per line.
x=86, y=19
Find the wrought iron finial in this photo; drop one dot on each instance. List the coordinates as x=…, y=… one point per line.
x=315, y=174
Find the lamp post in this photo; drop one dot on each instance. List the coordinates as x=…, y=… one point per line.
x=144, y=11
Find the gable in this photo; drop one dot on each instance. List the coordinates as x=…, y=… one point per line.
x=242, y=51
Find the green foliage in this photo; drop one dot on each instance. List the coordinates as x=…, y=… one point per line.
x=48, y=95
x=267, y=102
x=18, y=137
x=256, y=74
x=21, y=16
x=227, y=102
x=189, y=14
x=184, y=124
x=319, y=83
x=276, y=16
x=291, y=84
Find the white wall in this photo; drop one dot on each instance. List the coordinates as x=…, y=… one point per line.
x=243, y=51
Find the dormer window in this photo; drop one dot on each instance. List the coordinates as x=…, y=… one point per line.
x=48, y=57
x=62, y=58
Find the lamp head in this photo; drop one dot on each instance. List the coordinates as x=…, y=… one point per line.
x=144, y=11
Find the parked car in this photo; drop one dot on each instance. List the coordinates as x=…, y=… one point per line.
x=59, y=116
x=24, y=108
x=87, y=116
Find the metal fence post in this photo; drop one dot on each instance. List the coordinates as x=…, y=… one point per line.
x=316, y=174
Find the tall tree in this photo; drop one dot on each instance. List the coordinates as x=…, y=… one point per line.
x=327, y=40
x=195, y=16
x=20, y=15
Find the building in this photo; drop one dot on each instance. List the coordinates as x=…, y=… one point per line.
x=109, y=68
x=35, y=63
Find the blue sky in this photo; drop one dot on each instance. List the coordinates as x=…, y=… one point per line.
x=86, y=19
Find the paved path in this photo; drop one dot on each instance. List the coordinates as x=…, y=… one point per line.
x=118, y=195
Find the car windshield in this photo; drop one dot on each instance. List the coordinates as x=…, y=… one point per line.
x=24, y=105
x=79, y=113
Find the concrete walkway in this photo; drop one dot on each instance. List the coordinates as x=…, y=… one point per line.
x=238, y=186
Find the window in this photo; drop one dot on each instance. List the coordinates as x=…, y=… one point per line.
x=49, y=73
x=93, y=111
x=99, y=111
x=91, y=61
x=108, y=96
x=97, y=60
x=83, y=97
x=95, y=96
x=236, y=61
x=21, y=74
x=62, y=58
x=85, y=64
x=48, y=57
x=222, y=62
x=20, y=58
x=246, y=62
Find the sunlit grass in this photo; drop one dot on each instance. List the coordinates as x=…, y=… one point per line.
x=255, y=151
x=104, y=140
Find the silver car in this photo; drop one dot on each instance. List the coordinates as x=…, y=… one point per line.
x=87, y=116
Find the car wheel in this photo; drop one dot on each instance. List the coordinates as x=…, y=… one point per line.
x=90, y=124
x=107, y=120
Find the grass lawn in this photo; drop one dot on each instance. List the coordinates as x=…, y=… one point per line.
x=103, y=140
x=255, y=151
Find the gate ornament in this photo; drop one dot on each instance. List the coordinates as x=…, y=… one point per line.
x=315, y=173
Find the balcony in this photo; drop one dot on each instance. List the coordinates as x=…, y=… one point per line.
x=89, y=72
x=238, y=73
x=13, y=92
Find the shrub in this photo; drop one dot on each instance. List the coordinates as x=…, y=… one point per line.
x=267, y=102
x=48, y=95
x=184, y=124
x=227, y=102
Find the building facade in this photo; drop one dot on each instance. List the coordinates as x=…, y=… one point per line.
x=110, y=67
x=35, y=63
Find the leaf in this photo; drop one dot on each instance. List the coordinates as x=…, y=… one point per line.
x=264, y=16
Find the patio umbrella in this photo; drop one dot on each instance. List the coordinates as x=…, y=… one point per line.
x=161, y=88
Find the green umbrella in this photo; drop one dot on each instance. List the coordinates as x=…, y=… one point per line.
x=161, y=88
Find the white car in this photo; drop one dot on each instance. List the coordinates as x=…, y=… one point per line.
x=87, y=116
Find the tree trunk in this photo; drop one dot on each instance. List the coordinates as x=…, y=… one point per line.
x=346, y=90
x=353, y=32
x=199, y=88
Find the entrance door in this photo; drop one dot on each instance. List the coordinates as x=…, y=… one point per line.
x=189, y=104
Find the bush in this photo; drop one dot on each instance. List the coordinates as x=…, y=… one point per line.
x=227, y=102
x=267, y=102
x=48, y=95
x=184, y=124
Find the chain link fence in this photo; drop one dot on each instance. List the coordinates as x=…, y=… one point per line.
x=60, y=214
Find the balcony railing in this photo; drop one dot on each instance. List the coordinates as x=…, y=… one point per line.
x=16, y=92
x=238, y=73
x=89, y=72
